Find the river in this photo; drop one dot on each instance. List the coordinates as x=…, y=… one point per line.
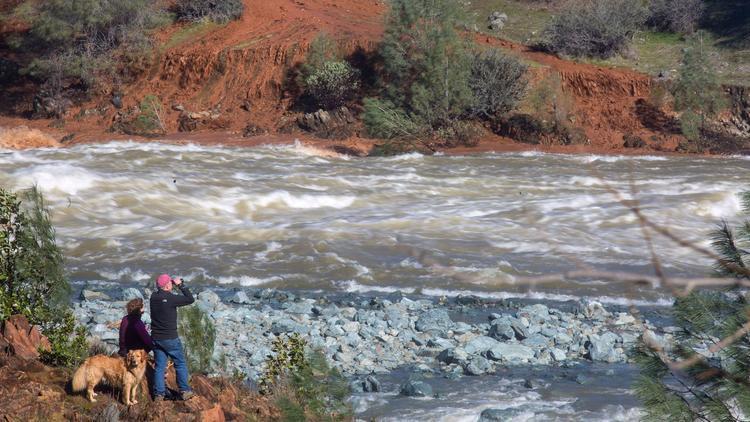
x=287, y=217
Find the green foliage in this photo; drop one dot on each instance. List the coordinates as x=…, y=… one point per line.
x=219, y=11
x=697, y=92
x=497, y=83
x=595, y=28
x=385, y=120
x=198, y=334
x=680, y=16
x=426, y=63
x=32, y=277
x=715, y=388
x=305, y=387
x=333, y=84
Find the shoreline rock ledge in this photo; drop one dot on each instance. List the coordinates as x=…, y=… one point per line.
x=379, y=335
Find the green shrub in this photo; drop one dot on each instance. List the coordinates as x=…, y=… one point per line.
x=304, y=386
x=199, y=336
x=595, y=28
x=32, y=276
x=426, y=63
x=220, y=11
x=333, y=84
x=497, y=83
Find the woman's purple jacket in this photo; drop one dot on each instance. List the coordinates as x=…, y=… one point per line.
x=133, y=335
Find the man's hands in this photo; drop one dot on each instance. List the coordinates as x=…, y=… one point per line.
x=177, y=281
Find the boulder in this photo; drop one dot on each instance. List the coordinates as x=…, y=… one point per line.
x=240, y=298
x=453, y=355
x=497, y=415
x=496, y=21
x=477, y=365
x=416, y=389
x=371, y=385
x=208, y=300
x=333, y=124
x=131, y=293
x=633, y=141
x=19, y=338
x=502, y=330
x=510, y=352
x=434, y=321
x=479, y=345
x=91, y=295
x=601, y=348
x=192, y=121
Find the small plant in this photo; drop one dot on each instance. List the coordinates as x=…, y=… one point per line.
x=333, y=84
x=680, y=16
x=199, y=335
x=304, y=386
x=497, y=82
x=32, y=278
x=595, y=28
x=149, y=120
x=219, y=11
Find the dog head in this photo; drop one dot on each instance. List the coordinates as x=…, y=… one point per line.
x=136, y=358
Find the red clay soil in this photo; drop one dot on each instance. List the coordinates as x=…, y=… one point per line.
x=240, y=69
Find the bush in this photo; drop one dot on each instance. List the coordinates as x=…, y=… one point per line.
x=680, y=16
x=497, y=82
x=426, y=64
x=220, y=11
x=199, y=336
x=333, y=84
x=595, y=28
x=32, y=278
x=304, y=386
x=384, y=120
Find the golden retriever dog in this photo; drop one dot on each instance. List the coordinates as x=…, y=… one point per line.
x=124, y=373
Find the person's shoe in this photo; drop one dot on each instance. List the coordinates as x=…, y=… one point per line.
x=187, y=395
x=158, y=399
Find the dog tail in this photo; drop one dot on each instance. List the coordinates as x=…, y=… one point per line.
x=79, y=378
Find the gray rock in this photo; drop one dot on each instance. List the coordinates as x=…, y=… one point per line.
x=536, y=340
x=439, y=343
x=477, y=365
x=131, y=293
x=90, y=295
x=511, y=352
x=416, y=389
x=519, y=329
x=479, y=345
x=299, y=308
x=582, y=379
x=601, y=348
x=371, y=385
x=558, y=355
x=562, y=338
x=461, y=328
x=208, y=300
x=502, y=331
x=282, y=326
x=240, y=298
x=453, y=355
x=497, y=415
x=434, y=321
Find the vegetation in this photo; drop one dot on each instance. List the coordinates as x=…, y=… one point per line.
x=199, y=336
x=219, y=11
x=697, y=92
x=715, y=388
x=595, y=28
x=328, y=79
x=497, y=83
x=304, y=386
x=678, y=16
x=32, y=277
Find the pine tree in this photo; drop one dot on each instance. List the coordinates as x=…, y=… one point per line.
x=716, y=388
x=426, y=63
x=697, y=92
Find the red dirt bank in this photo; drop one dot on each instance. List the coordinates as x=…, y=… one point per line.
x=239, y=71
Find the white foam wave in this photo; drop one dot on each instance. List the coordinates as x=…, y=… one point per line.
x=407, y=157
x=57, y=178
x=270, y=247
x=246, y=280
x=554, y=297
x=352, y=286
x=720, y=205
x=304, y=201
x=125, y=273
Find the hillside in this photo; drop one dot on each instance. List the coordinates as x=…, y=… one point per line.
x=226, y=78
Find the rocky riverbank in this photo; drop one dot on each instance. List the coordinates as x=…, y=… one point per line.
x=456, y=337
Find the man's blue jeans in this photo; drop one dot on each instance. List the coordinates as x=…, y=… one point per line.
x=164, y=349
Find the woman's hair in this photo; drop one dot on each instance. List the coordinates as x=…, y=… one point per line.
x=134, y=306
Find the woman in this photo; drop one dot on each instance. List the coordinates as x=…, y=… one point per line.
x=133, y=334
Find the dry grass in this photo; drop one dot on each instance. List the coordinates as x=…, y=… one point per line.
x=21, y=137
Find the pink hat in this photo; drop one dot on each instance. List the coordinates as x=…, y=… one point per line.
x=163, y=280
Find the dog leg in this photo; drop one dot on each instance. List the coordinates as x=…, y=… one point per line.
x=91, y=394
x=126, y=394
x=134, y=394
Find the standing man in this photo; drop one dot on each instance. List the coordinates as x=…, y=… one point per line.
x=167, y=342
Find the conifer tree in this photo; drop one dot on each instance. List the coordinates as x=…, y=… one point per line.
x=717, y=388
x=697, y=92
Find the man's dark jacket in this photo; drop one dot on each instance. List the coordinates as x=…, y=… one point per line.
x=164, y=312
